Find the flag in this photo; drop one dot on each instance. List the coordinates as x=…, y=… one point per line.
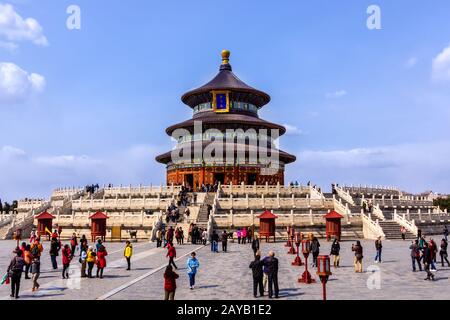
x=48, y=231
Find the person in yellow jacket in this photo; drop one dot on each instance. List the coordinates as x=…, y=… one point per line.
x=128, y=252
x=91, y=259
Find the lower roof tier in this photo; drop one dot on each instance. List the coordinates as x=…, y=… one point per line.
x=241, y=153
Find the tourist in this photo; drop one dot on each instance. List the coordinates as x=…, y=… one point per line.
x=55, y=246
x=177, y=236
x=214, y=242
x=27, y=257
x=181, y=235
x=170, y=234
x=170, y=285
x=224, y=239
x=415, y=255
x=445, y=232
x=443, y=252
x=272, y=272
x=335, y=249
x=101, y=261
x=83, y=243
x=244, y=235
x=255, y=245
x=433, y=251
x=239, y=235
x=164, y=237
x=427, y=261
x=37, y=248
x=172, y=254
x=32, y=237
x=98, y=244
x=192, y=268
x=403, y=232
x=128, y=252
x=249, y=235
x=158, y=238
x=205, y=237
x=67, y=255
x=91, y=259
x=257, y=271
x=314, y=248
x=378, y=248
x=35, y=273
x=358, y=249
x=83, y=260
x=73, y=243
x=265, y=272
x=15, y=270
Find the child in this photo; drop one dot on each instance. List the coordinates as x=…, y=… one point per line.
x=128, y=252
x=35, y=273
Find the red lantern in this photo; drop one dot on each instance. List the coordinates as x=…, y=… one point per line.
x=298, y=239
x=288, y=231
x=306, y=276
x=323, y=271
x=291, y=235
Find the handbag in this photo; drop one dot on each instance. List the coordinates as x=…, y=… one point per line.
x=5, y=278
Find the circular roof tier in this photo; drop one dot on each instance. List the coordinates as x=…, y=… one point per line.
x=210, y=117
x=226, y=80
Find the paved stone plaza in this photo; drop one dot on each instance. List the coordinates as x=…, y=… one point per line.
x=227, y=275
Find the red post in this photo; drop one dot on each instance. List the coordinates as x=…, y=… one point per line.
x=324, y=288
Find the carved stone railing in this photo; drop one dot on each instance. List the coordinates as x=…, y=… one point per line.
x=409, y=225
x=371, y=229
x=377, y=212
x=344, y=195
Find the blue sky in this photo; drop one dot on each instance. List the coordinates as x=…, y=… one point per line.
x=91, y=105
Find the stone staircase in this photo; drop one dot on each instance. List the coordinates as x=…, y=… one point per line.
x=202, y=218
x=391, y=230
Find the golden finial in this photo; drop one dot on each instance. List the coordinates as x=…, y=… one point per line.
x=225, y=56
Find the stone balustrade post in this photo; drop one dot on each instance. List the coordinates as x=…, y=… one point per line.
x=292, y=216
x=278, y=200
x=231, y=218
x=420, y=214
x=311, y=218
x=293, y=200
x=247, y=202
x=263, y=201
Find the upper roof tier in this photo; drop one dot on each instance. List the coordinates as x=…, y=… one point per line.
x=226, y=80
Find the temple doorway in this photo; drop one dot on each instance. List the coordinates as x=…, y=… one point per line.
x=251, y=178
x=219, y=177
x=189, y=180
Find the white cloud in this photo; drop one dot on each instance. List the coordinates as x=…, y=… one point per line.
x=15, y=28
x=68, y=161
x=11, y=152
x=8, y=46
x=411, y=62
x=17, y=85
x=441, y=65
x=336, y=94
x=292, y=130
x=412, y=167
x=27, y=175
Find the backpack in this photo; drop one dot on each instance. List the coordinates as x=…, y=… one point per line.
x=35, y=250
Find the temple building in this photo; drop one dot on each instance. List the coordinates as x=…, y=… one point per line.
x=225, y=141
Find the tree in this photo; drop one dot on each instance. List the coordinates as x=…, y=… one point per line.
x=14, y=206
x=443, y=203
x=1, y=206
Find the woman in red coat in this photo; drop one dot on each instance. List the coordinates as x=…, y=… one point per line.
x=170, y=284
x=66, y=258
x=172, y=254
x=101, y=261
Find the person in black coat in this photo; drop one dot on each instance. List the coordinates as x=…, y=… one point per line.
x=335, y=249
x=15, y=270
x=224, y=240
x=255, y=246
x=427, y=260
x=257, y=270
x=271, y=263
x=55, y=246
